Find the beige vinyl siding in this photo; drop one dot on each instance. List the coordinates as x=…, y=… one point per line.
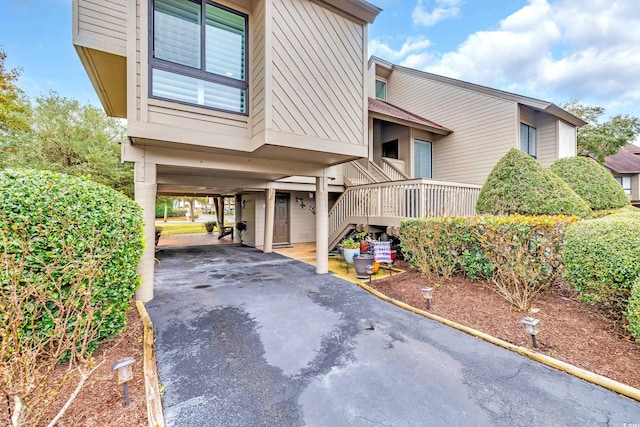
x=547, y=138
x=302, y=220
x=102, y=24
x=317, y=72
x=256, y=66
x=484, y=127
x=528, y=116
x=252, y=204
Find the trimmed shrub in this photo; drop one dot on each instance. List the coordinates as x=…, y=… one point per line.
x=602, y=258
x=518, y=184
x=62, y=234
x=521, y=255
x=592, y=182
x=633, y=310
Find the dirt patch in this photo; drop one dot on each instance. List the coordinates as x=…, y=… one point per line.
x=570, y=330
x=101, y=401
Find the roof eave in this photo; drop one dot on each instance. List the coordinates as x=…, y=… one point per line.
x=361, y=9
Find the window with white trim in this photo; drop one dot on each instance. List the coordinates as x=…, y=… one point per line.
x=422, y=159
x=528, y=140
x=199, y=54
x=381, y=90
x=625, y=182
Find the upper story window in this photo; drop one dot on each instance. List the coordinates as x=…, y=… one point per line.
x=199, y=54
x=625, y=182
x=528, y=142
x=422, y=159
x=381, y=89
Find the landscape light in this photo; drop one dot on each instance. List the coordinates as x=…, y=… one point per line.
x=531, y=327
x=124, y=373
x=427, y=293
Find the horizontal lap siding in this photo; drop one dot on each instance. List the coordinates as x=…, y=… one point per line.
x=547, y=138
x=484, y=127
x=318, y=72
x=104, y=20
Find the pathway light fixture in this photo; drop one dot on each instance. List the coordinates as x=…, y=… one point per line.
x=124, y=374
x=531, y=327
x=427, y=293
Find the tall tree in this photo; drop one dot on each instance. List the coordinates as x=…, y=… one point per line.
x=14, y=105
x=67, y=136
x=601, y=138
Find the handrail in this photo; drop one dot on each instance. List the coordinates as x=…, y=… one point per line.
x=357, y=174
x=415, y=198
x=392, y=171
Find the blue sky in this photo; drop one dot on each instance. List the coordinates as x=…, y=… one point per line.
x=555, y=50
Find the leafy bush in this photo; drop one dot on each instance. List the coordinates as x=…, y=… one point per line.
x=518, y=184
x=60, y=232
x=521, y=255
x=602, y=258
x=592, y=182
x=633, y=310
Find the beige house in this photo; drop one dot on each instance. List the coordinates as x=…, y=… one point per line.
x=275, y=103
x=625, y=167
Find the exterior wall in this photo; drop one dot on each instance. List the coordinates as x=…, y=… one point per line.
x=547, y=138
x=484, y=127
x=318, y=68
x=257, y=88
x=101, y=24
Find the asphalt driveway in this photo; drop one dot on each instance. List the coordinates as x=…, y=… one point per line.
x=252, y=339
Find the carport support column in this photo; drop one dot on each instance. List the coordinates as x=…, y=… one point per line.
x=269, y=212
x=322, y=225
x=146, y=189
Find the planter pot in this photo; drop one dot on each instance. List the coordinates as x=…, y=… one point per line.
x=393, y=256
x=348, y=254
x=361, y=263
x=364, y=247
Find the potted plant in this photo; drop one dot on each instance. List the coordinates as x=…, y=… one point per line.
x=210, y=226
x=349, y=248
x=364, y=238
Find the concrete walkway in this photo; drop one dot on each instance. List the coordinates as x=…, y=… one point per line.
x=252, y=339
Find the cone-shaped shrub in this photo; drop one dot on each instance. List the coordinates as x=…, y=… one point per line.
x=592, y=182
x=518, y=184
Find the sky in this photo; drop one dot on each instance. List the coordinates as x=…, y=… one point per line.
x=555, y=50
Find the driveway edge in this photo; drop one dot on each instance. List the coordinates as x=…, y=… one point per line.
x=152, y=389
x=602, y=381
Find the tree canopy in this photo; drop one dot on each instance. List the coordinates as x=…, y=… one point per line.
x=601, y=138
x=13, y=102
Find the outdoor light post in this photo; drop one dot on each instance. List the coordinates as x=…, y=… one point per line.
x=531, y=327
x=370, y=271
x=124, y=373
x=427, y=293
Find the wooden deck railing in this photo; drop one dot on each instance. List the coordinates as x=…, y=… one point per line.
x=392, y=170
x=417, y=198
x=356, y=174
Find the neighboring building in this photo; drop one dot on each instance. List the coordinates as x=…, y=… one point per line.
x=625, y=167
x=274, y=103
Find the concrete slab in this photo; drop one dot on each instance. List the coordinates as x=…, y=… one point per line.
x=246, y=339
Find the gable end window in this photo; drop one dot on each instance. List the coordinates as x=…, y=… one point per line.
x=528, y=142
x=198, y=54
x=381, y=90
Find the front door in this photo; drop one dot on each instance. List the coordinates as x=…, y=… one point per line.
x=281, y=219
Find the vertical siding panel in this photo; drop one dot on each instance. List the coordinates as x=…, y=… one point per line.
x=547, y=138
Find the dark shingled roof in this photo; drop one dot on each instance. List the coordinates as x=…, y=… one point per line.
x=382, y=107
x=627, y=160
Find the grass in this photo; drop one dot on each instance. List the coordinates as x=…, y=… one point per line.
x=169, y=228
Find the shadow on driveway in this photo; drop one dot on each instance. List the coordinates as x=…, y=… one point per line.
x=252, y=339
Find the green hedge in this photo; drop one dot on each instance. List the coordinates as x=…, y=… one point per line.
x=602, y=258
x=633, y=310
x=57, y=230
x=518, y=184
x=520, y=254
x=592, y=182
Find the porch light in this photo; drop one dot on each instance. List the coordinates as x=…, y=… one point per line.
x=531, y=327
x=124, y=373
x=427, y=293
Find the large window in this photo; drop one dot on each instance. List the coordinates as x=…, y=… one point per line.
x=422, y=159
x=199, y=54
x=625, y=182
x=528, y=140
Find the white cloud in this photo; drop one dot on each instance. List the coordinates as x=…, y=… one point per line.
x=443, y=10
x=411, y=44
x=554, y=50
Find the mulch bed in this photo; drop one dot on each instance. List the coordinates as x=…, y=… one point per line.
x=570, y=330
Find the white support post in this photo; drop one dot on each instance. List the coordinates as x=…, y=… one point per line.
x=322, y=225
x=145, y=193
x=269, y=214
